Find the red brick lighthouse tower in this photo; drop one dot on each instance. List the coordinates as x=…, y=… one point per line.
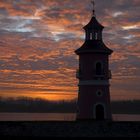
x=94, y=75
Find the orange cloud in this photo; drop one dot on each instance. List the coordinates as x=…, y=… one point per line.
x=38, y=40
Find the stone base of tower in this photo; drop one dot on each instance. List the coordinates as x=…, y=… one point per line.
x=83, y=118
x=90, y=116
x=92, y=106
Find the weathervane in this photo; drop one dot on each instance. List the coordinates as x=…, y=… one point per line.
x=93, y=2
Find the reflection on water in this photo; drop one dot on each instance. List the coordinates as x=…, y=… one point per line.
x=37, y=116
x=57, y=117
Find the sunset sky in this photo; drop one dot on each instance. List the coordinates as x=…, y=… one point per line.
x=38, y=39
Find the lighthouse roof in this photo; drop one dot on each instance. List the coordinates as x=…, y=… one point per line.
x=94, y=46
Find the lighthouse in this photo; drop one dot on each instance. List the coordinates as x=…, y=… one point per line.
x=93, y=74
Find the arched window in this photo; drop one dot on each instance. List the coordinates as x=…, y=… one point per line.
x=99, y=68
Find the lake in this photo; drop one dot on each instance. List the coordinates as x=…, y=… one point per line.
x=57, y=117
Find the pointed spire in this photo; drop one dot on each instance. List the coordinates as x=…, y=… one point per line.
x=93, y=3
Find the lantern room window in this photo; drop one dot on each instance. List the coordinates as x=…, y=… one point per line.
x=96, y=36
x=90, y=36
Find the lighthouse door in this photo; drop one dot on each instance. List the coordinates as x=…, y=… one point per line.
x=99, y=112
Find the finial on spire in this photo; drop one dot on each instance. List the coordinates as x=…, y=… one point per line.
x=93, y=2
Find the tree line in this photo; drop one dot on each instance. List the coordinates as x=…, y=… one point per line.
x=30, y=105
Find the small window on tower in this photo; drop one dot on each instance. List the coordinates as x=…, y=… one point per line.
x=99, y=93
x=99, y=68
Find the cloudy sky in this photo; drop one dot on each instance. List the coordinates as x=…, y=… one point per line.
x=38, y=39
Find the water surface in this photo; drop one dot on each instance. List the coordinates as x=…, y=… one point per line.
x=57, y=117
